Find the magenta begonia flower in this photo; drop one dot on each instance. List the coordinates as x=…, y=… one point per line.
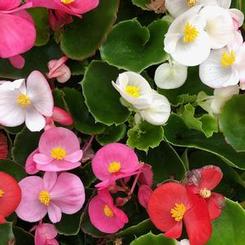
x=45, y=234
x=17, y=30
x=114, y=161
x=58, y=150
x=104, y=215
x=53, y=195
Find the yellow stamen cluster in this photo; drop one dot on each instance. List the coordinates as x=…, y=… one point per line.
x=133, y=91
x=228, y=59
x=178, y=211
x=23, y=100
x=205, y=193
x=1, y=193
x=114, y=167
x=191, y=3
x=107, y=211
x=67, y=1
x=58, y=153
x=44, y=198
x=190, y=33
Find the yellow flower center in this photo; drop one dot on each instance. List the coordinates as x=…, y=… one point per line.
x=190, y=33
x=114, y=167
x=191, y=3
x=67, y=1
x=44, y=198
x=58, y=153
x=205, y=193
x=178, y=211
x=23, y=100
x=228, y=59
x=1, y=193
x=107, y=211
x=133, y=91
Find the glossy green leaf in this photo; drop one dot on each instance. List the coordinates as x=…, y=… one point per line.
x=25, y=142
x=12, y=168
x=232, y=121
x=101, y=97
x=22, y=236
x=165, y=162
x=229, y=227
x=84, y=36
x=177, y=133
x=84, y=122
x=141, y=3
x=150, y=238
x=40, y=17
x=6, y=233
x=144, y=136
x=134, y=47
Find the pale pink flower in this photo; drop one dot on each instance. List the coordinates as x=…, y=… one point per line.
x=51, y=194
x=58, y=150
x=17, y=30
x=45, y=234
x=114, y=161
x=31, y=166
x=28, y=102
x=104, y=215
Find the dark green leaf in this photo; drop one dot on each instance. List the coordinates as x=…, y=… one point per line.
x=23, y=237
x=13, y=169
x=6, y=233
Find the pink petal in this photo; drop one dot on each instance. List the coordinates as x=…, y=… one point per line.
x=17, y=61
x=30, y=165
x=144, y=194
x=42, y=159
x=30, y=209
x=49, y=180
x=54, y=213
x=75, y=156
x=10, y=4
x=62, y=117
x=57, y=166
x=40, y=93
x=45, y=232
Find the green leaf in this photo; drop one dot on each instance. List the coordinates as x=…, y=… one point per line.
x=228, y=229
x=178, y=134
x=144, y=136
x=112, y=134
x=232, y=121
x=13, y=169
x=40, y=16
x=165, y=162
x=150, y=238
x=25, y=142
x=101, y=98
x=22, y=235
x=84, y=122
x=141, y=3
x=134, y=47
x=35, y=59
x=6, y=233
x=84, y=35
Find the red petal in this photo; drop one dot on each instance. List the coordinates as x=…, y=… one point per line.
x=175, y=232
x=215, y=205
x=162, y=200
x=197, y=221
x=3, y=146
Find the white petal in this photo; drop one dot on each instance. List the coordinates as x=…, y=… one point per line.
x=170, y=76
x=176, y=7
x=159, y=111
x=238, y=17
x=40, y=93
x=214, y=75
x=34, y=120
x=224, y=3
x=219, y=26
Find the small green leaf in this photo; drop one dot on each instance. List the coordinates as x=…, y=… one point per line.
x=228, y=229
x=84, y=35
x=101, y=98
x=177, y=133
x=134, y=47
x=13, y=169
x=6, y=233
x=232, y=121
x=150, y=238
x=144, y=136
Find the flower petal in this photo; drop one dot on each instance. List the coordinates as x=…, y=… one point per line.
x=75, y=156
x=215, y=205
x=54, y=213
x=34, y=120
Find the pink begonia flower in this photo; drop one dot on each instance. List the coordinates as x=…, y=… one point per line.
x=146, y=175
x=144, y=194
x=237, y=17
x=104, y=215
x=51, y=194
x=27, y=102
x=45, y=234
x=18, y=33
x=58, y=150
x=58, y=70
x=58, y=19
x=114, y=161
x=31, y=166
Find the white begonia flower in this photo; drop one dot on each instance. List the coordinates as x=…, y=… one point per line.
x=134, y=89
x=192, y=35
x=26, y=102
x=221, y=95
x=183, y=242
x=225, y=67
x=170, y=75
x=158, y=112
x=237, y=17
